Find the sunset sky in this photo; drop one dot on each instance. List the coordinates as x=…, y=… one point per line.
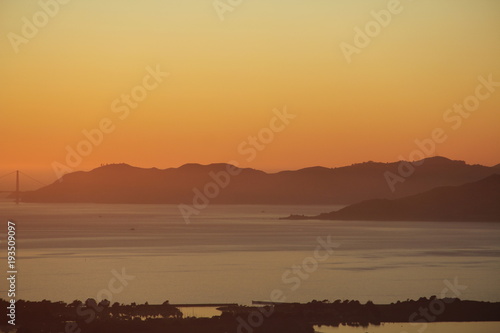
x=227, y=76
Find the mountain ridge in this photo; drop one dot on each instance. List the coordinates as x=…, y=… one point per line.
x=123, y=183
x=476, y=201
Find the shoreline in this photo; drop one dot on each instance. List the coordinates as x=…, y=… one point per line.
x=91, y=316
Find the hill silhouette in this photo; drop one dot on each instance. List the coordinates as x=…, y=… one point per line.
x=476, y=201
x=122, y=183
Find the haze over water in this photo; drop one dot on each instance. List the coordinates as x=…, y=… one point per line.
x=240, y=253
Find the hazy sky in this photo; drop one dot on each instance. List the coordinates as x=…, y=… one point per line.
x=227, y=76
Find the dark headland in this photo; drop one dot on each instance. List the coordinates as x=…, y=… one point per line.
x=476, y=202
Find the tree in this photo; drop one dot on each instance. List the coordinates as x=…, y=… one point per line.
x=75, y=303
x=91, y=303
x=104, y=303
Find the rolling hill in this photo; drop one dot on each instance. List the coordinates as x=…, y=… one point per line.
x=477, y=201
x=122, y=183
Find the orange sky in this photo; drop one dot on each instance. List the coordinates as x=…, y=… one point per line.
x=227, y=76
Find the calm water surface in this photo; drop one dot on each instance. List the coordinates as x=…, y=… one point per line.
x=493, y=327
x=242, y=253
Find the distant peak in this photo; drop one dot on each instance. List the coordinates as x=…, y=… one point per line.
x=314, y=168
x=438, y=159
x=190, y=165
x=441, y=160
x=210, y=166
x=115, y=165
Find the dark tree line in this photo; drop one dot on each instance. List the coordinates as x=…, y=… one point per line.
x=102, y=317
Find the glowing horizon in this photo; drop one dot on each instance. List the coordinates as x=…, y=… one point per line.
x=227, y=78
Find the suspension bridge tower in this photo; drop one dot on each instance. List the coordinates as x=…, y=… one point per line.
x=17, y=187
x=17, y=192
